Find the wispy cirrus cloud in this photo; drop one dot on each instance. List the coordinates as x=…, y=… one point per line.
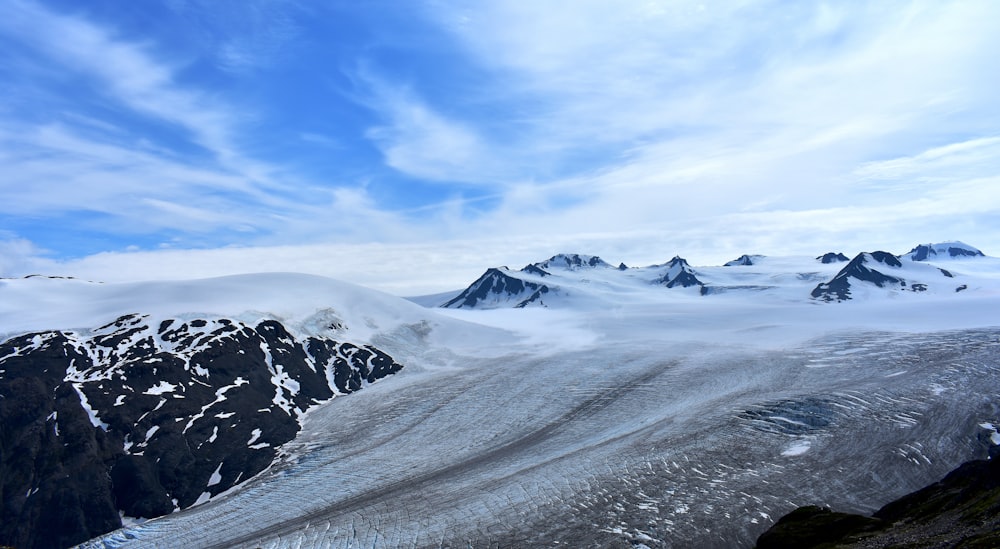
x=700, y=111
x=139, y=146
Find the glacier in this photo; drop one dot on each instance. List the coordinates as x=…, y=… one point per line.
x=622, y=414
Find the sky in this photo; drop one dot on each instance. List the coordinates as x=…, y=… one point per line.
x=408, y=146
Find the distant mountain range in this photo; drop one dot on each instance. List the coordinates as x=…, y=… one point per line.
x=568, y=279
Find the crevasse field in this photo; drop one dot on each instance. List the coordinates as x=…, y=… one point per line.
x=622, y=415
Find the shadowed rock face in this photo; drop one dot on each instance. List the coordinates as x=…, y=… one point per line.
x=571, y=261
x=145, y=419
x=743, y=260
x=961, y=510
x=680, y=274
x=863, y=268
x=831, y=257
x=923, y=252
x=495, y=286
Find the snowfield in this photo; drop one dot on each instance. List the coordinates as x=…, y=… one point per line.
x=625, y=414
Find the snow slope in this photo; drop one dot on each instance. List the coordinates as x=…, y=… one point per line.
x=306, y=305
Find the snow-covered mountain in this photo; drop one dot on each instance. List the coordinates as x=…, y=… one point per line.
x=679, y=274
x=744, y=260
x=569, y=261
x=576, y=280
x=944, y=250
x=887, y=273
x=143, y=419
x=187, y=390
x=502, y=288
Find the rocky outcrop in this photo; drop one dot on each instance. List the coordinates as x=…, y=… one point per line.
x=142, y=418
x=831, y=257
x=945, y=250
x=744, y=260
x=572, y=261
x=961, y=510
x=680, y=275
x=497, y=288
x=863, y=268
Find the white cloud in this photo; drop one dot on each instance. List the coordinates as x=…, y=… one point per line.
x=760, y=80
x=19, y=257
x=705, y=111
x=130, y=74
x=423, y=143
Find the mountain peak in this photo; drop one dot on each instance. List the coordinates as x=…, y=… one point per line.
x=744, y=260
x=679, y=273
x=571, y=261
x=497, y=288
x=942, y=250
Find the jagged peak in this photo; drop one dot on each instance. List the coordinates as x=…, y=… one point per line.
x=679, y=273
x=571, y=261
x=885, y=258
x=496, y=285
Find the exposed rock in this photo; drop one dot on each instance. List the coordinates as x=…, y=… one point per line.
x=535, y=269
x=680, y=274
x=496, y=287
x=923, y=252
x=961, y=510
x=145, y=420
x=831, y=257
x=744, y=260
x=572, y=261
x=860, y=269
x=813, y=527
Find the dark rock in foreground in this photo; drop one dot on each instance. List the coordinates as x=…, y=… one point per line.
x=144, y=418
x=962, y=510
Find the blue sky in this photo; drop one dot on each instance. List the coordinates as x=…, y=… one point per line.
x=194, y=138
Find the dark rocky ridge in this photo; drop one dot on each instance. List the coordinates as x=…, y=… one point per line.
x=831, y=257
x=680, y=274
x=145, y=419
x=961, y=510
x=572, y=261
x=496, y=284
x=865, y=267
x=861, y=268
